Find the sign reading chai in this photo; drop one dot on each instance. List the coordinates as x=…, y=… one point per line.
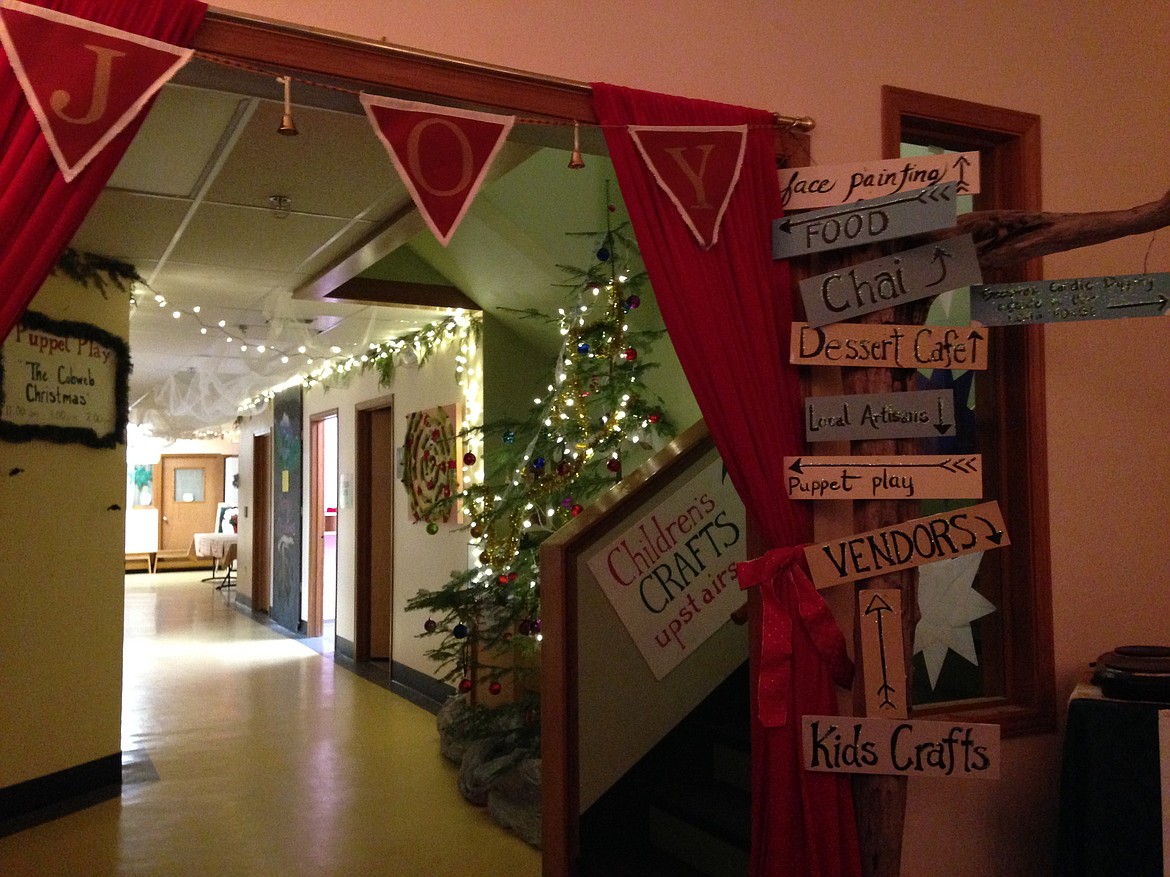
x=63, y=381
x=671, y=575
x=902, y=748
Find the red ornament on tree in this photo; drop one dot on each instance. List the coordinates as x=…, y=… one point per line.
x=464, y=685
x=614, y=464
x=469, y=459
x=576, y=510
x=654, y=417
x=495, y=688
x=631, y=354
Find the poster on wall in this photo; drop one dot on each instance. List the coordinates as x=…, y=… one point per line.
x=63, y=381
x=431, y=464
x=288, y=417
x=670, y=575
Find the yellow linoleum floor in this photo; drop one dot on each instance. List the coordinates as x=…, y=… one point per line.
x=271, y=760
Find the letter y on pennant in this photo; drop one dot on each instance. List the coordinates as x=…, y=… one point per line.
x=698, y=168
x=84, y=81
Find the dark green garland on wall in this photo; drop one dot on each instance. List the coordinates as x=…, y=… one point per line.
x=91, y=270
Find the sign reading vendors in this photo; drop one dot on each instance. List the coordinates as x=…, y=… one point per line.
x=670, y=576
x=63, y=381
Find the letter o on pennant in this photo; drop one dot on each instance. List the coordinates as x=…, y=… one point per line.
x=413, y=157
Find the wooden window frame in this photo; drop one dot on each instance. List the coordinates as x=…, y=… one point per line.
x=1014, y=422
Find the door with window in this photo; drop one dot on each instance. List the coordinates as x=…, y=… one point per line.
x=192, y=487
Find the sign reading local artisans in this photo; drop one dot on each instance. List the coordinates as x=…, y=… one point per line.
x=914, y=274
x=902, y=476
x=843, y=744
x=63, y=381
x=1066, y=301
x=863, y=416
x=670, y=576
x=864, y=222
x=908, y=544
x=874, y=345
x=803, y=188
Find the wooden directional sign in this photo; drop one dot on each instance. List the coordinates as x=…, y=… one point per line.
x=865, y=222
x=882, y=283
x=879, y=415
x=883, y=668
x=906, y=545
x=874, y=345
x=893, y=477
x=805, y=187
x=844, y=744
x=1063, y=301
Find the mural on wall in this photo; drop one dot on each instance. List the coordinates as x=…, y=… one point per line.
x=430, y=470
x=288, y=417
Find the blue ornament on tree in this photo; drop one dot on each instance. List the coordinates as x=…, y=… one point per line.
x=509, y=437
x=459, y=631
x=603, y=254
x=582, y=348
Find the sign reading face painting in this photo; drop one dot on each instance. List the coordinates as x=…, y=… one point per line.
x=670, y=576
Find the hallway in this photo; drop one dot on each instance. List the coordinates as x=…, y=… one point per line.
x=252, y=755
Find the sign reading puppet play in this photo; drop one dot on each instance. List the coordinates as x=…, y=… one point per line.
x=670, y=576
x=63, y=381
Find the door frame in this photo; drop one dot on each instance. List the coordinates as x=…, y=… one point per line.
x=261, y=560
x=315, y=622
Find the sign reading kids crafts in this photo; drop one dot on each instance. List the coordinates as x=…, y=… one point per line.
x=670, y=576
x=63, y=381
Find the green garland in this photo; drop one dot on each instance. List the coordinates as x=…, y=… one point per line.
x=91, y=270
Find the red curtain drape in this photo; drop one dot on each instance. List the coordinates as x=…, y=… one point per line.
x=728, y=311
x=39, y=211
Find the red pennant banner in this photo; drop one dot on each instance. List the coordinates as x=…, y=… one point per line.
x=442, y=154
x=84, y=81
x=698, y=168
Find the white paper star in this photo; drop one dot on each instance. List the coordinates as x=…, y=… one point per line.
x=948, y=604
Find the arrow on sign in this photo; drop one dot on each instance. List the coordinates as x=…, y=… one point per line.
x=940, y=256
x=922, y=196
x=995, y=534
x=962, y=163
x=950, y=464
x=1160, y=304
x=943, y=428
x=876, y=607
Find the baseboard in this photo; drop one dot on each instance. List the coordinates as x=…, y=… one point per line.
x=344, y=648
x=419, y=688
x=244, y=601
x=57, y=794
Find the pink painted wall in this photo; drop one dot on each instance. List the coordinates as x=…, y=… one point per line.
x=1097, y=75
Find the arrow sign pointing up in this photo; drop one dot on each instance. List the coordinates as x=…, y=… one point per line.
x=865, y=222
x=882, y=656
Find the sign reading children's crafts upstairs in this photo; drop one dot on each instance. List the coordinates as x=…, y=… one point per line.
x=64, y=382
x=670, y=576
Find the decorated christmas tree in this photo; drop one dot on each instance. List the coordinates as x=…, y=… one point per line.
x=595, y=414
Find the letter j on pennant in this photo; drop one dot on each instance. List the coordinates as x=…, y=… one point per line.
x=698, y=168
x=84, y=81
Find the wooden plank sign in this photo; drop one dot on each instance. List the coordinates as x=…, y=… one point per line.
x=882, y=283
x=906, y=545
x=1066, y=301
x=842, y=744
x=899, y=476
x=865, y=222
x=803, y=188
x=874, y=345
x=883, y=669
x=865, y=416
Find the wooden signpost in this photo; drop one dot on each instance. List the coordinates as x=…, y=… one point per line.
x=879, y=617
x=882, y=283
x=879, y=415
x=865, y=222
x=894, y=477
x=900, y=748
x=803, y=188
x=883, y=345
x=1064, y=301
x=907, y=545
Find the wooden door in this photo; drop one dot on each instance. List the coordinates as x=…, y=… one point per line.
x=374, y=591
x=192, y=488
